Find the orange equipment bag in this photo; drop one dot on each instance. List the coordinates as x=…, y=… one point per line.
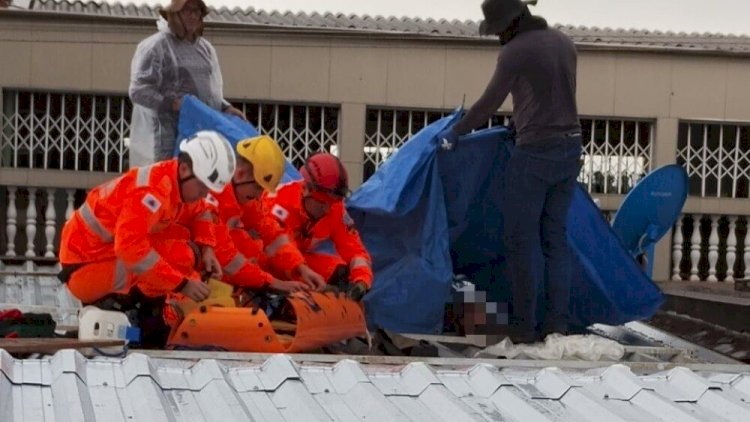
x=304, y=321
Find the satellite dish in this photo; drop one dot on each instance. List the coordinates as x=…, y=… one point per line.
x=650, y=210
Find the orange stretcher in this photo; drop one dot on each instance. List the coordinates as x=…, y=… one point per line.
x=304, y=321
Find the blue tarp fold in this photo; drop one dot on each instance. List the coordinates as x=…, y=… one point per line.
x=426, y=214
x=196, y=116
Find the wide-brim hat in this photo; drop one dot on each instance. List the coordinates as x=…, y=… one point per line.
x=499, y=14
x=177, y=5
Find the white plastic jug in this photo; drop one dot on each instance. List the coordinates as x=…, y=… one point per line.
x=96, y=324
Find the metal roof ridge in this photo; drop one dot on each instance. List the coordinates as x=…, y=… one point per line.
x=85, y=7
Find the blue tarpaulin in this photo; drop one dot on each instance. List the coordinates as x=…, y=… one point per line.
x=196, y=116
x=427, y=214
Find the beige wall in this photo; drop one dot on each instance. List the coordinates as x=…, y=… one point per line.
x=387, y=72
x=355, y=71
x=419, y=74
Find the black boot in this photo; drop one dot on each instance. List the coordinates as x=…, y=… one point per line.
x=150, y=319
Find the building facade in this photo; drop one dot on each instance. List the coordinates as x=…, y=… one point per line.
x=359, y=87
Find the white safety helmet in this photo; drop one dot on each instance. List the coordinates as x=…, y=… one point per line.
x=213, y=158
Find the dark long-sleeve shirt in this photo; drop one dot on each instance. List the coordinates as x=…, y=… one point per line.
x=538, y=68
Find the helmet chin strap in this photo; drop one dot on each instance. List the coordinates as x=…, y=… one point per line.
x=182, y=181
x=304, y=207
x=307, y=193
x=235, y=184
x=190, y=37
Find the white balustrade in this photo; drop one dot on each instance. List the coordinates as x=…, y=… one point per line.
x=713, y=248
x=50, y=221
x=731, y=249
x=695, y=248
x=677, y=251
x=31, y=224
x=727, y=242
x=71, y=203
x=36, y=248
x=708, y=253
x=11, y=224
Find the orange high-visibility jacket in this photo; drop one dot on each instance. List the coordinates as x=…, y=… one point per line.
x=286, y=206
x=257, y=240
x=118, y=218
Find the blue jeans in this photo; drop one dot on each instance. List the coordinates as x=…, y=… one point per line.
x=539, y=183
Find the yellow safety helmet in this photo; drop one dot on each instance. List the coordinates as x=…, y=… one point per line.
x=267, y=159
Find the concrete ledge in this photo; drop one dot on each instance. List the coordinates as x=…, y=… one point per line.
x=717, y=303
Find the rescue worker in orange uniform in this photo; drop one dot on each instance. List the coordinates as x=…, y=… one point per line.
x=312, y=211
x=252, y=247
x=130, y=233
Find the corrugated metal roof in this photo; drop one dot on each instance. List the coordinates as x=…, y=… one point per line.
x=603, y=37
x=70, y=387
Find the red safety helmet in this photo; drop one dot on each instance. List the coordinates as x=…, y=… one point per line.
x=324, y=174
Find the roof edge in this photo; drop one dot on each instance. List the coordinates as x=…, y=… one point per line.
x=587, y=39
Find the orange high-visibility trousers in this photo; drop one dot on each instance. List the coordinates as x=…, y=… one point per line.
x=95, y=280
x=323, y=263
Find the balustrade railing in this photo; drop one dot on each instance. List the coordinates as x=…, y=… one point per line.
x=33, y=217
x=711, y=247
x=29, y=239
x=705, y=247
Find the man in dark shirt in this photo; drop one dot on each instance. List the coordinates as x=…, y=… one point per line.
x=537, y=66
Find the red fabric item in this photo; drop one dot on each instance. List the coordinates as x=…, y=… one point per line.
x=12, y=314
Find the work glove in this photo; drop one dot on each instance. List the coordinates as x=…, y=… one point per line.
x=447, y=139
x=357, y=290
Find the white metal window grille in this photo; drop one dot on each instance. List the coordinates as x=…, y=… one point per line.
x=44, y=130
x=387, y=129
x=716, y=157
x=300, y=130
x=616, y=154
